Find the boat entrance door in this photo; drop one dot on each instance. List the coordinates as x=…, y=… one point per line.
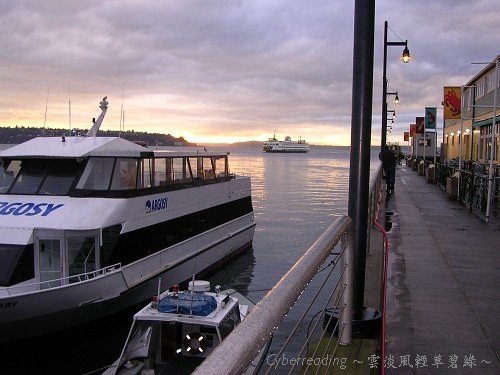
x=49, y=257
x=82, y=254
x=64, y=257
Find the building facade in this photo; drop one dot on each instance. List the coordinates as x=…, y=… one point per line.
x=474, y=135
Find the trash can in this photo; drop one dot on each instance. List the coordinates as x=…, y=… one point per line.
x=430, y=173
x=452, y=186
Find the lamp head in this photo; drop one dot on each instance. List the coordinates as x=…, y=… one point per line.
x=396, y=99
x=406, y=57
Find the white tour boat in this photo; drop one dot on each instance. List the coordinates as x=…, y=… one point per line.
x=88, y=224
x=176, y=332
x=273, y=145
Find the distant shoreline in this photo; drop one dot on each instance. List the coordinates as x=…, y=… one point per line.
x=21, y=134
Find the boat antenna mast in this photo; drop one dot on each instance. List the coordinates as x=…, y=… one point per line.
x=97, y=124
x=122, y=114
x=69, y=106
x=45, y=117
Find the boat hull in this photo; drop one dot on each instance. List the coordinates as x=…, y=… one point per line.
x=287, y=151
x=36, y=313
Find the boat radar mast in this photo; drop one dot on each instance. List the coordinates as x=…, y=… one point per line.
x=97, y=124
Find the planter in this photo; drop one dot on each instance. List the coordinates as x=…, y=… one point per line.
x=421, y=168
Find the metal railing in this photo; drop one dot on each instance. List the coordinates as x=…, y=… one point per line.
x=473, y=183
x=473, y=187
x=442, y=173
x=305, y=348
x=54, y=283
x=240, y=348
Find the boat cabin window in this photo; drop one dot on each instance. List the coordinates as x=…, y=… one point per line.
x=38, y=176
x=146, y=173
x=17, y=264
x=8, y=173
x=125, y=174
x=97, y=174
x=61, y=177
x=230, y=322
x=172, y=172
x=29, y=177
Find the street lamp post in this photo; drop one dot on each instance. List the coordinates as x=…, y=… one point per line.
x=405, y=57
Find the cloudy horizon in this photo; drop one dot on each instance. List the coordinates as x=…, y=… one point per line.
x=228, y=71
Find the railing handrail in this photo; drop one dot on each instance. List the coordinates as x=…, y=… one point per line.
x=238, y=350
x=81, y=276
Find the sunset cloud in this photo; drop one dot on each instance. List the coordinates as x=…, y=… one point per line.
x=229, y=70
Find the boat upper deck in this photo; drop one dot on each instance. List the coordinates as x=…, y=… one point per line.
x=104, y=166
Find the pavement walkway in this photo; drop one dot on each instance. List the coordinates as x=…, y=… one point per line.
x=444, y=283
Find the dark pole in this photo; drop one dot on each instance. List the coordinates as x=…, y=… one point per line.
x=383, y=135
x=359, y=169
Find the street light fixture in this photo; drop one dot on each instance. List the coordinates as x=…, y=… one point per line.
x=405, y=57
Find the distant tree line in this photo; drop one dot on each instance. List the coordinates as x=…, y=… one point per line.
x=20, y=134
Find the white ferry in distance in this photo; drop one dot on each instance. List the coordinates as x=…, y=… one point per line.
x=89, y=224
x=273, y=145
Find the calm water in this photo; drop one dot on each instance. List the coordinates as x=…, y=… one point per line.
x=295, y=197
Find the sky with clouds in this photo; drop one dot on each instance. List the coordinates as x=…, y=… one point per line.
x=230, y=70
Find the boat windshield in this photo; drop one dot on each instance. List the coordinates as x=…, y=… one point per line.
x=38, y=176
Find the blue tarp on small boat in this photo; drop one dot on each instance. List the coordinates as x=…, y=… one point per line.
x=185, y=303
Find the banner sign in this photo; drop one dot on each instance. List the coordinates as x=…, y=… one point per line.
x=406, y=136
x=413, y=130
x=452, y=102
x=430, y=117
x=420, y=125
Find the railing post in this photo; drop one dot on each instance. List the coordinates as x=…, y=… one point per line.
x=345, y=327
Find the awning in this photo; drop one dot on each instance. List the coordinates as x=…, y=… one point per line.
x=485, y=122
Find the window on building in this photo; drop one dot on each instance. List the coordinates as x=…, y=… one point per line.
x=480, y=89
x=490, y=82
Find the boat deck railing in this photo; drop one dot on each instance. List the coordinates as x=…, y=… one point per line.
x=55, y=283
x=318, y=289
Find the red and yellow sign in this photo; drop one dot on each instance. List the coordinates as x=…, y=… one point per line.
x=420, y=125
x=452, y=102
x=413, y=130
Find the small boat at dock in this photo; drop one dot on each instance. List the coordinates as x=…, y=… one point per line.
x=176, y=331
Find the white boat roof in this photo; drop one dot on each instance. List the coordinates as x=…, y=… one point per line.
x=213, y=319
x=74, y=147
